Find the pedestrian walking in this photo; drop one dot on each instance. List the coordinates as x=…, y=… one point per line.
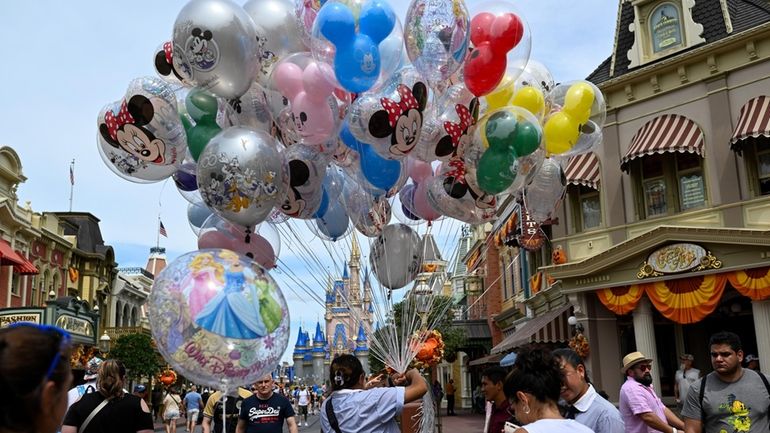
x=172, y=409
x=584, y=404
x=684, y=377
x=303, y=400
x=157, y=402
x=352, y=408
x=449, y=389
x=92, y=372
x=35, y=376
x=193, y=403
x=496, y=413
x=266, y=411
x=731, y=398
x=111, y=409
x=215, y=410
x=641, y=409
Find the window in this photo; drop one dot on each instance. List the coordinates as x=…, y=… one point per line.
x=586, y=207
x=665, y=28
x=669, y=183
x=757, y=154
x=15, y=289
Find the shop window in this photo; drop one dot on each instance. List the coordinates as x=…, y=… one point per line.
x=757, y=155
x=669, y=183
x=586, y=207
x=15, y=284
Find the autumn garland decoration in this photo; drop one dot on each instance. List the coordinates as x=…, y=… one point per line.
x=431, y=351
x=579, y=343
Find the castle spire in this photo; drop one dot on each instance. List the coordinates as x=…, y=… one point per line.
x=355, y=251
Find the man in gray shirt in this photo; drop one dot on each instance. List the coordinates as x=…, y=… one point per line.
x=735, y=399
x=584, y=404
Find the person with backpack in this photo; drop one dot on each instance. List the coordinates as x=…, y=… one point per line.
x=212, y=413
x=172, y=409
x=92, y=372
x=731, y=398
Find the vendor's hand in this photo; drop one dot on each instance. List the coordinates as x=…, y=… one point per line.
x=398, y=379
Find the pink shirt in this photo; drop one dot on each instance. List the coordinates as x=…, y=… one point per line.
x=636, y=399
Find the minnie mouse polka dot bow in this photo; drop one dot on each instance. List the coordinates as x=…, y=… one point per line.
x=456, y=130
x=395, y=109
x=114, y=123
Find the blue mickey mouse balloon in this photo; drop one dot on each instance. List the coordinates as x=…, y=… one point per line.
x=355, y=54
x=381, y=173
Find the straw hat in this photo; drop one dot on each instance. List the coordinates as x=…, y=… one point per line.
x=632, y=359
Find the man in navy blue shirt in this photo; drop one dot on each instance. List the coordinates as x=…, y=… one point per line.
x=266, y=411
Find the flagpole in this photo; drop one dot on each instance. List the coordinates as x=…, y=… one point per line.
x=72, y=181
x=157, y=235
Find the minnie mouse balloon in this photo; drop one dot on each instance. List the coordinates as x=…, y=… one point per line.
x=450, y=125
x=396, y=256
x=218, y=318
x=306, y=174
x=391, y=119
x=241, y=175
x=216, y=47
x=141, y=137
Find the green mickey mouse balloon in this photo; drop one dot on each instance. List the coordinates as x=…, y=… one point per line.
x=202, y=107
x=494, y=173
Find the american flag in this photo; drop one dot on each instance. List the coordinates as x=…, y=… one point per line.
x=162, y=230
x=72, y=174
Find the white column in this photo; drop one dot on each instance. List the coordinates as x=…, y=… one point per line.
x=761, y=311
x=644, y=333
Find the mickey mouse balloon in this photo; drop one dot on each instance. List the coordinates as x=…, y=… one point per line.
x=216, y=47
x=140, y=137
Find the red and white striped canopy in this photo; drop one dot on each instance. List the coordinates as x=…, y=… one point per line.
x=666, y=133
x=584, y=170
x=753, y=121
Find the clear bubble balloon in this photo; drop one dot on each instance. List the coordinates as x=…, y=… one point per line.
x=546, y=191
x=279, y=34
x=218, y=318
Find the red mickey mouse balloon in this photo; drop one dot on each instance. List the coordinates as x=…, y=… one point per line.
x=493, y=36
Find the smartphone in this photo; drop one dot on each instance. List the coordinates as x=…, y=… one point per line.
x=510, y=427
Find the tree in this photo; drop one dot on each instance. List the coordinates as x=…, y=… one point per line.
x=440, y=314
x=138, y=354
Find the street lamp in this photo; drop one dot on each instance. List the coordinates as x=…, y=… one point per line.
x=104, y=343
x=423, y=297
x=572, y=321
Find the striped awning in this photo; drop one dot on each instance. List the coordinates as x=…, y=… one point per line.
x=666, y=133
x=552, y=326
x=753, y=121
x=584, y=170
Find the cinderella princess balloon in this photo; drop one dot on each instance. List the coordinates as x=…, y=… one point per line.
x=218, y=318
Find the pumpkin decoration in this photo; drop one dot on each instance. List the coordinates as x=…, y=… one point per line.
x=559, y=256
x=431, y=350
x=74, y=274
x=167, y=377
x=579, y=343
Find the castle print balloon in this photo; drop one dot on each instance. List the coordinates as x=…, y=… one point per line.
x=218, y=318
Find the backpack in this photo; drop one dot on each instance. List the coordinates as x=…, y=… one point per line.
x=83, y=390
x=703, y=391
x=232, y=410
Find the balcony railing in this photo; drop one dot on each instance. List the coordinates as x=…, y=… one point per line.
x=118, y=331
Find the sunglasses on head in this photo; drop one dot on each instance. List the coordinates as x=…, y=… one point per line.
x=64, y=341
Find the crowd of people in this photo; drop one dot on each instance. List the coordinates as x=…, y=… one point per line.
x=545, y=392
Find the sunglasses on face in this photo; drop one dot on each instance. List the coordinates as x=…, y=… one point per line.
x=64, y=341
x=644, y=367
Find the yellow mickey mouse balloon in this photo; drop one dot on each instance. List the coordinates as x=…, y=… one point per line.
x=560, y=133
x=579, y=100
x=501, y=96
x=531, y=99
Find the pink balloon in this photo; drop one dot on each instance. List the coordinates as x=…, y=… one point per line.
x=258, y=249
x=422, y=208
x=214, y=239
x=419, y=171
x=288, y=79
x=308, y=91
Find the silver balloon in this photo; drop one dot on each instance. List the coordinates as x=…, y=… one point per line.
x=396, y=256
x=216, y=47
x=369, y=213
x=546, y=191
x=141, y=137
x=241, y=175
x=279, y=33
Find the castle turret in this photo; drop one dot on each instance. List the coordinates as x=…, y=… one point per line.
x=300, y=348
x=355, y=266
x=318, y=354
x=362, y=348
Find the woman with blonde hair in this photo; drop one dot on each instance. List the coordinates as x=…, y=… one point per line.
x=172, y=411
x=35, y=376
x=111, y=409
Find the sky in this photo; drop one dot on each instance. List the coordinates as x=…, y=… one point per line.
x=63, y=61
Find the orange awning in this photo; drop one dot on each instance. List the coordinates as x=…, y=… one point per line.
x=9, y=257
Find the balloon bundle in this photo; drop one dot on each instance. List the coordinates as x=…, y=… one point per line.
x=337, y=113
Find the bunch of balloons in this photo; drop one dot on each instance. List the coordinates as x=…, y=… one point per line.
x=339, y=113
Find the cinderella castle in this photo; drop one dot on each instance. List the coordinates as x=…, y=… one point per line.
x=344, y=330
